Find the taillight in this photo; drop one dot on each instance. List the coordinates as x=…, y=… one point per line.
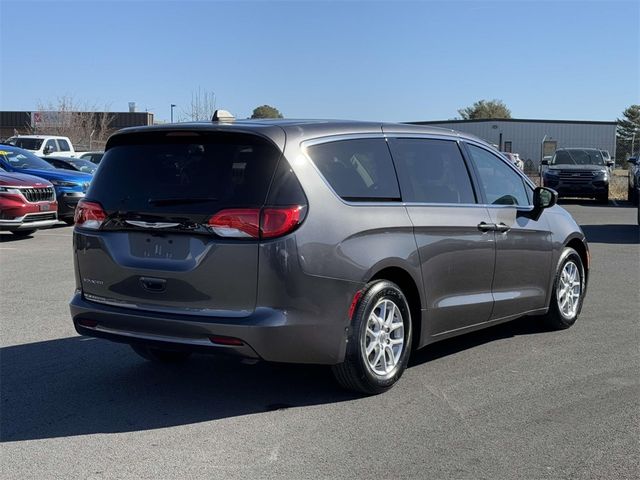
x=278, y=221
x=237, y=223
x=269, y=222
x=89, y=215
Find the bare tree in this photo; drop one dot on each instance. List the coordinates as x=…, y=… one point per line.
x=203, y=104
x=87, y=127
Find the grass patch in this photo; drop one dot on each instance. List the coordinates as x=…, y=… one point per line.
x=618, y=186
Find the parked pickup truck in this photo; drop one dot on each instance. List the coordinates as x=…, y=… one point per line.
x=43, y=145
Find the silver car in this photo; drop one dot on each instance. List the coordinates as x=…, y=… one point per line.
x=342, y=243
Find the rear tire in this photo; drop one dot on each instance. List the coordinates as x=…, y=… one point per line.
x=159, y=355
x=568, y=291
x=379, y=341
x=23, y=233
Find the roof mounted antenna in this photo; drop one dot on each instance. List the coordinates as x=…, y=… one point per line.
x=222, y=116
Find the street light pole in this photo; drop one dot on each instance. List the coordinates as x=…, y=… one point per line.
x=172, y=107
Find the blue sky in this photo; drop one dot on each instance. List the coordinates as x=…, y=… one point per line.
x=392, y=60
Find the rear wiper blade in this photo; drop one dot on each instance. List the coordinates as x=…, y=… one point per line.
x=180, y=200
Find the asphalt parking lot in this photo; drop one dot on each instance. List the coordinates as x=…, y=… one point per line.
x=513, y=401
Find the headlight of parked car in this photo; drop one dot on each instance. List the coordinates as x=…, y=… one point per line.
x=61, y=183
x=12, y=191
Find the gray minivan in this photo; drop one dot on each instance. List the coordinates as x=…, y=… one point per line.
x=330, y=242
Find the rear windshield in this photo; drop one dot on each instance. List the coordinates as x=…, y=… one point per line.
x=27, y=143
x=577, y=157
x=187, y=173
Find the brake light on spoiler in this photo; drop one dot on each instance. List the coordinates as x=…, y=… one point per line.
x=267, y=222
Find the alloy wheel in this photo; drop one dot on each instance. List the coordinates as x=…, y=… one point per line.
x=569, y=290
x=383, y=339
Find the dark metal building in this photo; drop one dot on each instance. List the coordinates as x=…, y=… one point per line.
x=12, y=123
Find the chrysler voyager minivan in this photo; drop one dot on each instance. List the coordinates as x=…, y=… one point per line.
x=342, y=243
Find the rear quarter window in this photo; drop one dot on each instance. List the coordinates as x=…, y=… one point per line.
x=357, y=170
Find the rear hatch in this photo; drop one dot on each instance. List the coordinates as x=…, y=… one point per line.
x=154, y=245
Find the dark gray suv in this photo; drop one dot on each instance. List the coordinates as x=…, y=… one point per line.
x=578, y=172
x=327, y=242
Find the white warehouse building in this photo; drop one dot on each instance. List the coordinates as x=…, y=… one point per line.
x=526, y=137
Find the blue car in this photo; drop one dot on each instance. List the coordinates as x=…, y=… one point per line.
x=70, y=186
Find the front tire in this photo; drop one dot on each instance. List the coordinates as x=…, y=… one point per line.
x=568, y=291
x=379, y=342
x=159, y=355
x=69, y=220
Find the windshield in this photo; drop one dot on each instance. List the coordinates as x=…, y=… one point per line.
x=84, y=165
x=577, y=157
x=22, y=159
x=27, y=143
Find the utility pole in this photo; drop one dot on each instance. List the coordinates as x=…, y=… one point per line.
x=172, y=107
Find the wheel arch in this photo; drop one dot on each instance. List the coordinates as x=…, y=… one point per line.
x=579, y=245
x=409, y=287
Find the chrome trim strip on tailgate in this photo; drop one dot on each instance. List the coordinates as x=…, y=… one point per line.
x=142, y=224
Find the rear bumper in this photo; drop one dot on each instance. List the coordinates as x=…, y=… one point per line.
x=267, y=334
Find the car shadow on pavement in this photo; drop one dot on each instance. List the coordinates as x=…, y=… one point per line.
x=78, y=386
x=10, y=237
x=522, y=326
x=81, y=386
x=620, y=234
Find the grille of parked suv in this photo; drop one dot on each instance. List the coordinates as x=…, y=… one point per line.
x=38, y=194
x=37, y=217
x=571, y=176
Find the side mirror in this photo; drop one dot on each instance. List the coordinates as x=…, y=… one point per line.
x=544, y=197
x=544, y=162
x=633, y=160
x=47, y=149
x=610, y=163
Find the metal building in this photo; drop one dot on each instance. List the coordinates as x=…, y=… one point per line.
x=25, y=122
x=529, y=137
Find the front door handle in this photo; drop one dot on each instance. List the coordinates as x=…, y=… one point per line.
x=487, y=227
x=502, y=228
